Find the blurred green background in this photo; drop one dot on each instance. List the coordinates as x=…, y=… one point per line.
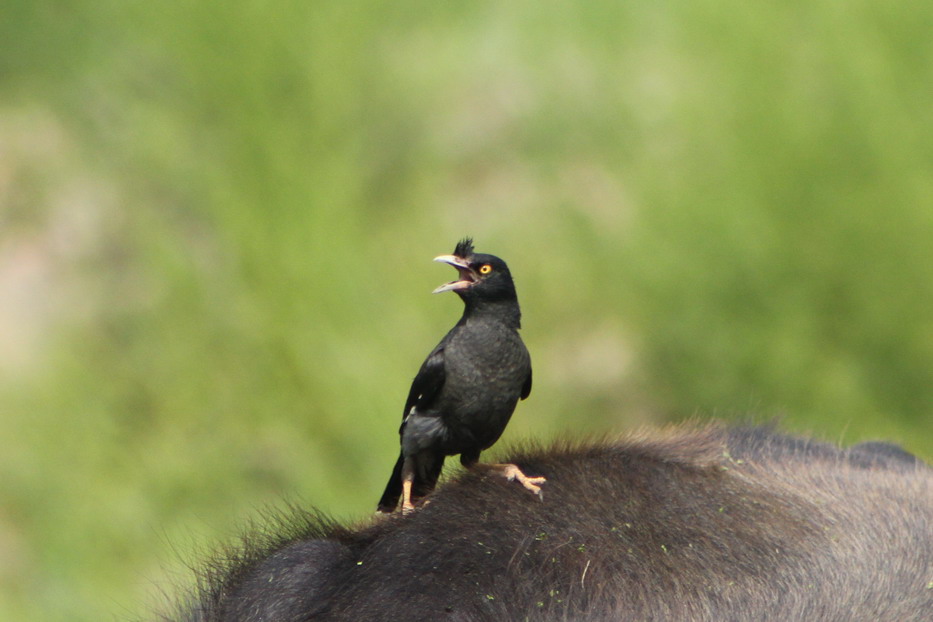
x=217, y=224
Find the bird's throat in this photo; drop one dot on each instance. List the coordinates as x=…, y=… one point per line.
x=505, y=311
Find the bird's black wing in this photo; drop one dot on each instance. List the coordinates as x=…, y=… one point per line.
x=424, y=388
x=526, y=388
x=427, y=384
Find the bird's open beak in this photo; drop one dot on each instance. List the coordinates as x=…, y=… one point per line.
x=467, y=276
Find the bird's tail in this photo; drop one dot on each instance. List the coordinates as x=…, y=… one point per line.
x=426, y=474
x=393, y=489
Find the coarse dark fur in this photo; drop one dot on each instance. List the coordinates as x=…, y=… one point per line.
x=689, y=523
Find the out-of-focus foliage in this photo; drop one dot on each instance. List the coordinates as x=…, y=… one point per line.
x=217, y=220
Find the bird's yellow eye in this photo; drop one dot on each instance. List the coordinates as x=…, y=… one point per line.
x=485, y=269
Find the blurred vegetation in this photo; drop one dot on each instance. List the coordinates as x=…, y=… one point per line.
x=216, y=226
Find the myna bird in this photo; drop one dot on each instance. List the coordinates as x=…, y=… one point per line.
x=468, y=386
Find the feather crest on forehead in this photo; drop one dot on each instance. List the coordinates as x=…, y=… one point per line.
x=464, y=248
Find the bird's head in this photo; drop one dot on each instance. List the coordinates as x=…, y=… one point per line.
x=482, y=277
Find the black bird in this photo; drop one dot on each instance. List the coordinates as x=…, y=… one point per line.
x=467, y=388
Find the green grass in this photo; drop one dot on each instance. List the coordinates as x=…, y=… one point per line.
x=216, y=227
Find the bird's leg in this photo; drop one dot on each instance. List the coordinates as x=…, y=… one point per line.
x=408, y=476
x=512, y=472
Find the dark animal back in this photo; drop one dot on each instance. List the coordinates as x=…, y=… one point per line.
x=686, y=524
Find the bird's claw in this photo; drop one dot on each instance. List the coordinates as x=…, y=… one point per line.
x=532, y=484
x=409, y=507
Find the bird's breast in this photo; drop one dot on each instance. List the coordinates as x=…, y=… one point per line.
x=489, y=359
x=485, y=371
